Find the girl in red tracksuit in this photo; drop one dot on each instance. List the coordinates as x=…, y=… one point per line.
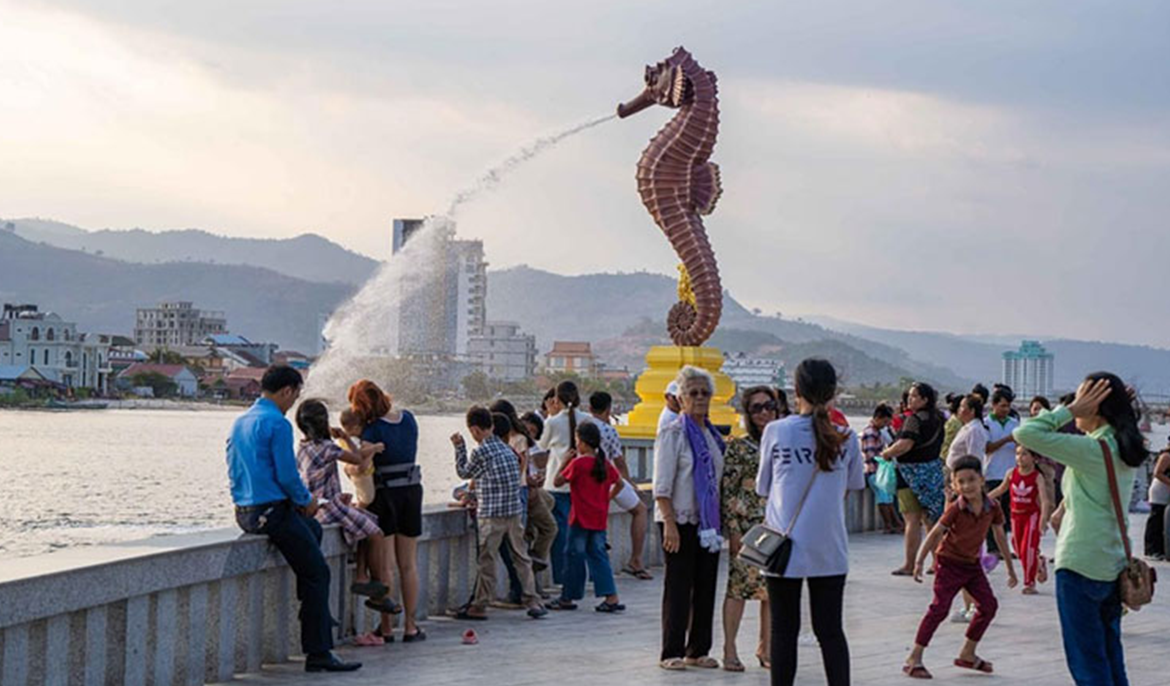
x=1030, y=511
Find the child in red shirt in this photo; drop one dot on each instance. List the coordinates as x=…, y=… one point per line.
x=1030, y=511
x=959, y=537
x=593, y=482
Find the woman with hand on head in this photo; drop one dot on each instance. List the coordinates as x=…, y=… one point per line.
x=688, y=466
x=1090, y=550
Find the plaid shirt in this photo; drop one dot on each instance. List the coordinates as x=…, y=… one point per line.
x=496, y=469
x=873, y=442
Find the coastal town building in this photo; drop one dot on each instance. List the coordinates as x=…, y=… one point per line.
x=185, y=381
x=54, y=348
x=437, y=319
x=747, y=371
x=575, y=357
x=1030, y=370
x=177, y=323
x=503, y=352
x=26, y=378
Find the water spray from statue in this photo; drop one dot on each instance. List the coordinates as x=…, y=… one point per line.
x=362, y=334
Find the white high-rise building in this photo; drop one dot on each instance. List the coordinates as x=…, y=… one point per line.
x=438, y=316
x=1029, y=371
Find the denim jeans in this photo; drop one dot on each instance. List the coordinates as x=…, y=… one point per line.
x=1090, y=624
x=558, y=556
x=587, y=547
x=298, y=538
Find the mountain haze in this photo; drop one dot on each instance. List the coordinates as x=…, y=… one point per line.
x=102, y=294
x=309, y=257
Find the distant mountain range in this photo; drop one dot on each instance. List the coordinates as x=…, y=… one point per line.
x=308, y=256
x=275, y=289
x=101, y=294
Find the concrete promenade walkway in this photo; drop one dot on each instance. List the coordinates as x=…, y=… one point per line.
x=882, y=613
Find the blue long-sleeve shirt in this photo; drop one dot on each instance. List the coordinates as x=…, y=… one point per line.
x=262, y=465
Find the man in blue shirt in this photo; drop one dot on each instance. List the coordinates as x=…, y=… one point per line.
x=272, y=500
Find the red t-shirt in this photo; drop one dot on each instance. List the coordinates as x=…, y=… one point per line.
x=590, y=499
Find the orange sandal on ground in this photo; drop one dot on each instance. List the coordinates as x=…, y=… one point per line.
x=978, y=664
x=917, y=671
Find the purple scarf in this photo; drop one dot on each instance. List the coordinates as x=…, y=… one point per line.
x=706, y=485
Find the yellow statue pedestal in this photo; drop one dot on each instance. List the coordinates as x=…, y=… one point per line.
x=663, y=363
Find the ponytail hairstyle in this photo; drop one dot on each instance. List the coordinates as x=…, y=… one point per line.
x=509, y=410
x=1120, y=411
x=816, y=383
x=313, y=420
x=590, y=435
x=569, y=396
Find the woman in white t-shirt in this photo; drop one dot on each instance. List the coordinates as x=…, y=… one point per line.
x=807, y=453
x=560, y=431
x=972, y=437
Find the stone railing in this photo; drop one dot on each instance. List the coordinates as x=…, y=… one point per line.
x=203, y=607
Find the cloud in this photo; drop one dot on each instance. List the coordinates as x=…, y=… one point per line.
x=967, y=168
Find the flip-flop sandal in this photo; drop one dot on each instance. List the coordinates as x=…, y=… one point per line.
x=470, y=638
x=1030, y=590
x=765, y=663
x=916, y=672
x=979, y=665
x=674, y=664
x=384, y=604
x=733, y=665
x=705, y=662
x=901, y=571
x=418, y=635
x=642, y=575
x=387, y=639
x=610, y=607
x=561, y=604
x=465, y=614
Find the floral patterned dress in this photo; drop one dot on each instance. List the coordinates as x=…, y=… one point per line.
x=742, y=509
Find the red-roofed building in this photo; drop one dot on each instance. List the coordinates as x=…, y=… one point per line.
x=574, y=357
x=187, y=384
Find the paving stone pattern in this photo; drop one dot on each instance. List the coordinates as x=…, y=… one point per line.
x=882, y=614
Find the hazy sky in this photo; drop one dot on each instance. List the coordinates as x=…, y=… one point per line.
x=967, y=167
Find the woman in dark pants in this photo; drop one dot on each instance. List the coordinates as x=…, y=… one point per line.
x=688, y=466
x=806, y=466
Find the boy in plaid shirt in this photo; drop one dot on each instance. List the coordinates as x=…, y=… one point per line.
x=496, y=469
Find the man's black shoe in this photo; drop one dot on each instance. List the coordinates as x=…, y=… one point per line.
x=328, y=662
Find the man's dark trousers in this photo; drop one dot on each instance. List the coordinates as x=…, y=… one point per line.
x=299, y=540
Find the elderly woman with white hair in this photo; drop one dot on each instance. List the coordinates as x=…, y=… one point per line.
x=688, y=467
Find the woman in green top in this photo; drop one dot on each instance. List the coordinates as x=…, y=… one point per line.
x=1090, y=553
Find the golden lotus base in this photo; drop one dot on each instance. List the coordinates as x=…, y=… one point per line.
x=663, y=363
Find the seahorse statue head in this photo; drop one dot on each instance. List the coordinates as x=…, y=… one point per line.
x=678, y=184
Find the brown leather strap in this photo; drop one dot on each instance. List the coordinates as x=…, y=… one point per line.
x=1116, y=498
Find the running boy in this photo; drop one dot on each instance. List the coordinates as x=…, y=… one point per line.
x=1030, y=511
x=958, y=536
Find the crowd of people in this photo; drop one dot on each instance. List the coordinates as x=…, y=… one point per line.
x=969, y=484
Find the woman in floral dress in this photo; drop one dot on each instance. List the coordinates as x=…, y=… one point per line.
x=743, y=509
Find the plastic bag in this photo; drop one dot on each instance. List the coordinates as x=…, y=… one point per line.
x=886, y=478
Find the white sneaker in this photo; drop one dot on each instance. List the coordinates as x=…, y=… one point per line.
x=808, y=639
x=960, y=617
x=971, y=613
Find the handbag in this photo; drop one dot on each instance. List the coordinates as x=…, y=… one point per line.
x=767, y=549
x=1138, y=578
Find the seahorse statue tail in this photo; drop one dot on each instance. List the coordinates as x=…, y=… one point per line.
x=693, y=319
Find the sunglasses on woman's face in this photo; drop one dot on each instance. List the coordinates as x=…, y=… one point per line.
x=769, y=406
x=699, y=393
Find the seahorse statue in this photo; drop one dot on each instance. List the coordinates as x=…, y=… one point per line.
x=678, y=185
